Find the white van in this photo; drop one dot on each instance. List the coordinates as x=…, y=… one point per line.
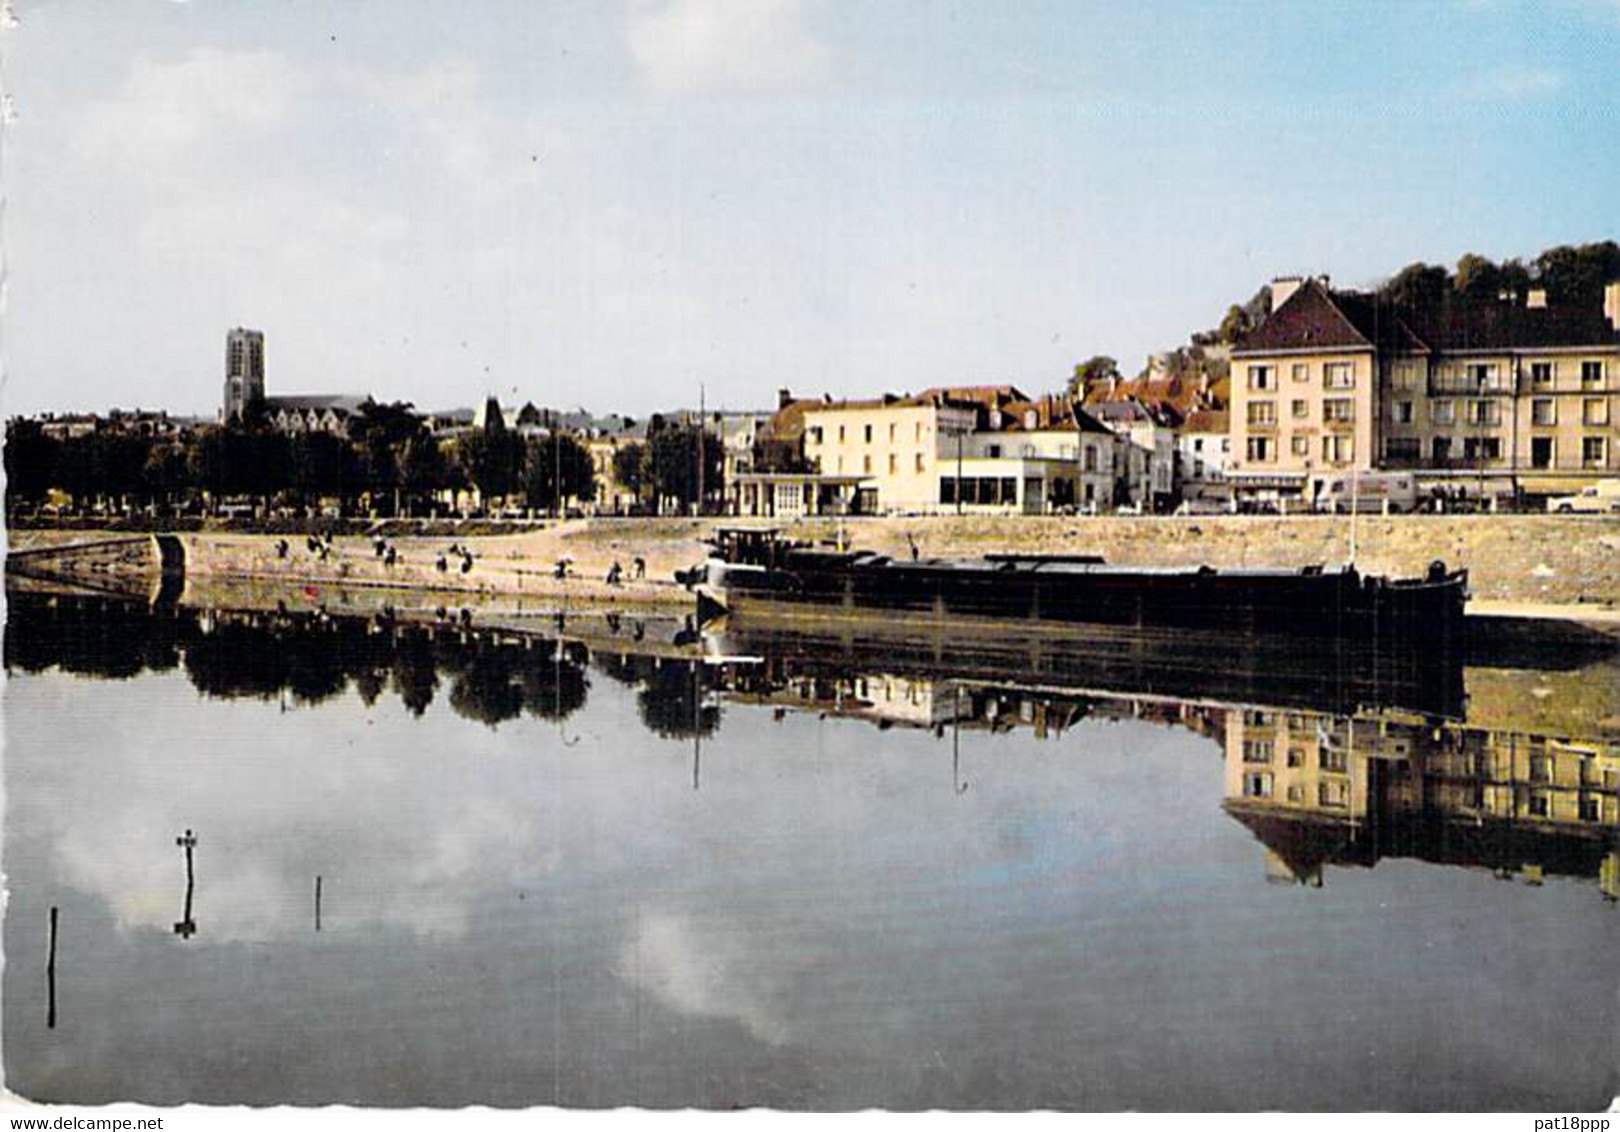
x=1369, y=492
x=1595, y=499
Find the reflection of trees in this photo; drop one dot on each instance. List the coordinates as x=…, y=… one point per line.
x=42, y=633
x=485, y=688
x=412, y=672
x=673, y=701
x=306, y=657
x=554, y=687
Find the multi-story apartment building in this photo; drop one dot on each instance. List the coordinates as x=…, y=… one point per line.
x=1505, y=397
x=896, y=445
x=980, y=449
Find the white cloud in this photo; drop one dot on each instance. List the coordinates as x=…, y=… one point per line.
x=725, y=45
x=165, y=111
x=707, y=971
x=1512, y=83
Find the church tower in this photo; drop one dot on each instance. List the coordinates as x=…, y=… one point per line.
x=244, y=371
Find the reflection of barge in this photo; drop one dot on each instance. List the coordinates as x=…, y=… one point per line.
x=757, y=567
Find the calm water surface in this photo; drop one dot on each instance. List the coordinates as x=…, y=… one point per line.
x=582, y=875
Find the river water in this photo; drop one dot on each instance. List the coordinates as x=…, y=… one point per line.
x=586, y=869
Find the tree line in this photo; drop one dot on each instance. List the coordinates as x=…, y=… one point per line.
x=388, y=463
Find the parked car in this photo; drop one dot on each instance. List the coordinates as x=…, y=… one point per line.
x=1600, y=498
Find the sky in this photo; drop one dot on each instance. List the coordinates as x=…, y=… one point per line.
x=628, y=205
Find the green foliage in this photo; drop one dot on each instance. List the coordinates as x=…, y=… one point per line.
x=631, y=467
x=1091, y=371
x=673, y=462
x=551, y=457
x=31, y=461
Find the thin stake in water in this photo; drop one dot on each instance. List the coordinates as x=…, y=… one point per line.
x=187, y=927
x=317, y=901
x=50, y=976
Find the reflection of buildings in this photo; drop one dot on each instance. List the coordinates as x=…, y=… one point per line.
x=1320, y=789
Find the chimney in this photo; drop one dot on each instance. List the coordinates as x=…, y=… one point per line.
x=1611, y=304
x=784, y=398
x=1283, y=288
x=1536, y=299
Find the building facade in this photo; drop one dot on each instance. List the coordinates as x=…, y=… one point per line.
x=1509, y=397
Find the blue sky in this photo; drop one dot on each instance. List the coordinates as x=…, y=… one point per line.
x=608, y=203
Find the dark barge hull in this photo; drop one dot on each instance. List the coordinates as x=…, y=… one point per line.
x=1309, y=602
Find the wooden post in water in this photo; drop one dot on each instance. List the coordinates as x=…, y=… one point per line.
x=50, y=976
x=317, y=901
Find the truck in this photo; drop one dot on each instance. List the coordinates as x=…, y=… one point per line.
x=1368, y=492
x=1601, y=498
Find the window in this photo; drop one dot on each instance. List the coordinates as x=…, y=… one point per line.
x=1296, y=756
x=1257, y=750
x=1443, y=412
x=1260, y=450
x=892, y=427
x=917, y=428
x=1338, y=375
x=1477, y=448
x=1338, y=449
x=1301, y=409
x=1544, y=411
x=947, y=490
x=815, y=434
x=1591, y=373
x=920, y=468
x=1540, y=768
x=1262, y=377
x=1403, y=412
x=1257, y=784
x=1302, y=372
x=1595, y=411
x=1542, y=451
x=1539, y=806
x=1589, y=807
x=866, y=464
x=840, y=434
x=1593, y=451
x=993, y=451
x=894, y=463
x=1541, y=373
x=1334, y=759
x=1296, y=793
x=1300, y=445
x=1091, y=458
x=1262, y=412
x=1403, y=448
x=1440, y=449
x=1335, y=795
x=868, y=434
x=1405, y=376
x=1026, y=450
x=1481, y=375
x=1339, y=410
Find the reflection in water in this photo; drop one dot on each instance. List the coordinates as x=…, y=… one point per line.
x=535, y=913
x=187, y=927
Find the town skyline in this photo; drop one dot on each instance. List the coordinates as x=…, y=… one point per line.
x=609, y=205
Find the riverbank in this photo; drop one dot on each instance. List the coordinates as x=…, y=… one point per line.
x=1555, y=565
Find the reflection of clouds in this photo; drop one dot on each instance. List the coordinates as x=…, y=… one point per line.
x=700, y=968
x=404, y=822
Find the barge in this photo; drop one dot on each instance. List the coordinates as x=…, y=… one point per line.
x=760, y=569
